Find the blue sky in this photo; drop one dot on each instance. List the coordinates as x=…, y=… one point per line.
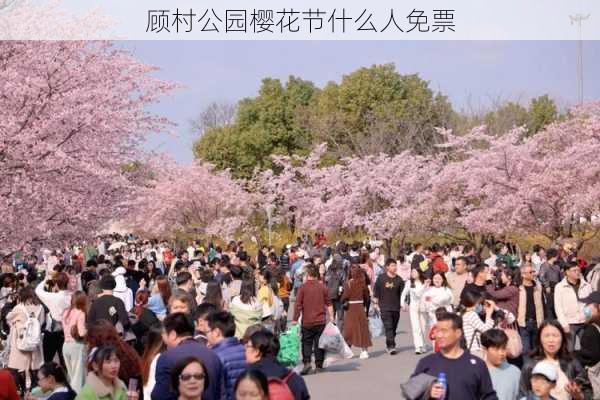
x=472, y=74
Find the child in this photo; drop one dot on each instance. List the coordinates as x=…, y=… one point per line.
x=438, y=312
x=202, y=312
x=543, y=380
x=505, y=377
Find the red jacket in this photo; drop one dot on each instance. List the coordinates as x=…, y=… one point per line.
x=8, y=388
x=312, y=301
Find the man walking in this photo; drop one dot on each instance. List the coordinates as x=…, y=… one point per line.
x=312, y=302
x=387, y=296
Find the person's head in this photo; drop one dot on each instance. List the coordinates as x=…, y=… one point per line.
x=551, y=255
x=221, y=325
x=247, y=291
x=572, y=271
x=494, y=343
x=180, y=302
x=251, y=385
x=390, y=266
x=177, y=327
x=551, y=341
x=105, y=362
x=439, y=280
x=79, y=301
x=419, y=247
x=471, y=300
x=416, y=274
x=27, y=296
x=184, y=281
x=480, y=273
x=108, y=283
x=164, y=288
x=312, y=271
x=543, y=379
x=527, y=273
x=50, y=376
x=449, y=331
x=62, y=280
x=189, y=378
x=460, y=265
x=202, y=312
x=261, y=344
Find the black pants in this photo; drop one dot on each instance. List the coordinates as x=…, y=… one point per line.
x=286, y=303
x=338, y=313
x=310, y=343
x=21, y=380
x=390, y=323
x=53, y=343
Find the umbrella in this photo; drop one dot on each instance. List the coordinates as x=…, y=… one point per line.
x=116, y=245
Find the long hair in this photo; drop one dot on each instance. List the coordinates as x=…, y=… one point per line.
x=247, y=291
x=153, y=345
x=79, y=301
x=562, y=353
x=102, y=332
x=214, y=295
x=357, y=274
x=162, y=282
x=421, y=274
x=141, y=299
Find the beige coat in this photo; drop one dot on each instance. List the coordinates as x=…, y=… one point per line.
x=537, y=300
x=568, y=309
x=17, y=359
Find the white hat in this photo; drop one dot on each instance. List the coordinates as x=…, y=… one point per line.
x=119, y=275
x=545, y=369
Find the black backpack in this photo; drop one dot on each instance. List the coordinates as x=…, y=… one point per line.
x=335, y=277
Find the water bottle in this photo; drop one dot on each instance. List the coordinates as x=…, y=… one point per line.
x=441, y=380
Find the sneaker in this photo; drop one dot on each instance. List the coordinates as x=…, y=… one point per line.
x=319, y=370
x=363, y=355
x=307, y=370
x=419, y=351
x=392, y=351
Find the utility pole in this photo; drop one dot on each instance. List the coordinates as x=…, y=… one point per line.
x=578, y=19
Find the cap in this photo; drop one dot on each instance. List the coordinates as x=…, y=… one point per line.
x=594, y=297
x=545, y=369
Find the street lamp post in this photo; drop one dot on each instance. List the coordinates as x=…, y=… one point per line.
x=578, y=19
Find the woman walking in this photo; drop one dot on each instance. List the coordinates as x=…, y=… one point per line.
x=413, y=291
x=74, y=351
x=356, y=327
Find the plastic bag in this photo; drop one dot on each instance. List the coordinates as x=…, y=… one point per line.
x=289, y=347
x=375, y=324
x=331, y=339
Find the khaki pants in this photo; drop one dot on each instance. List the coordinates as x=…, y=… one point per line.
x=75, y=355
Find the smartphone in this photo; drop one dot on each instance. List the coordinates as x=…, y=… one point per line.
x=132, y=387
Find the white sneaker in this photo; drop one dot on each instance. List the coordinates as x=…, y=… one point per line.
x=364, y=355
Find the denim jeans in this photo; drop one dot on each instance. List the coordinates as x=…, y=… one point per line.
x=528, y=334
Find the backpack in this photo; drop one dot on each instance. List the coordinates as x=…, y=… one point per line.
x=279, y=389
x=30, y=336
x=334, y=278
x=438, y=264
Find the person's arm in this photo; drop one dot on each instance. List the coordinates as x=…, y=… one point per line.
x=504, y=293
x=45, y=297
x=558, y=309
x=405, y=292
x=377, y=289
x=81, y=329
x=328, y=303
x=299, y=303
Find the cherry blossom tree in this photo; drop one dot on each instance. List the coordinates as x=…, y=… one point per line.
x=73, y=115
x=193, y=199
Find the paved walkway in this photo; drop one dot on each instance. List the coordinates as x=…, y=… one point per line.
x=377, y=378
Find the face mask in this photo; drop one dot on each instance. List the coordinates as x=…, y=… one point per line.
x=478, y=309
x=587, y=312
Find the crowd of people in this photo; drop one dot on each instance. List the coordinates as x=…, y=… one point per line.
x=144, y=319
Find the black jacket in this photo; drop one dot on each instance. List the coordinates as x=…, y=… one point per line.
x=589, y=354
x=572, y=368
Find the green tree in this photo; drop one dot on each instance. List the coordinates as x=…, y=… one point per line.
x=542, y=111
x=264, y=125
x=375, y=110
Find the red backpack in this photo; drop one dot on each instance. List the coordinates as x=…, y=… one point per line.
x=279, y=389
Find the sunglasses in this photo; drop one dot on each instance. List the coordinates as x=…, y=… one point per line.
x=187, y=377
